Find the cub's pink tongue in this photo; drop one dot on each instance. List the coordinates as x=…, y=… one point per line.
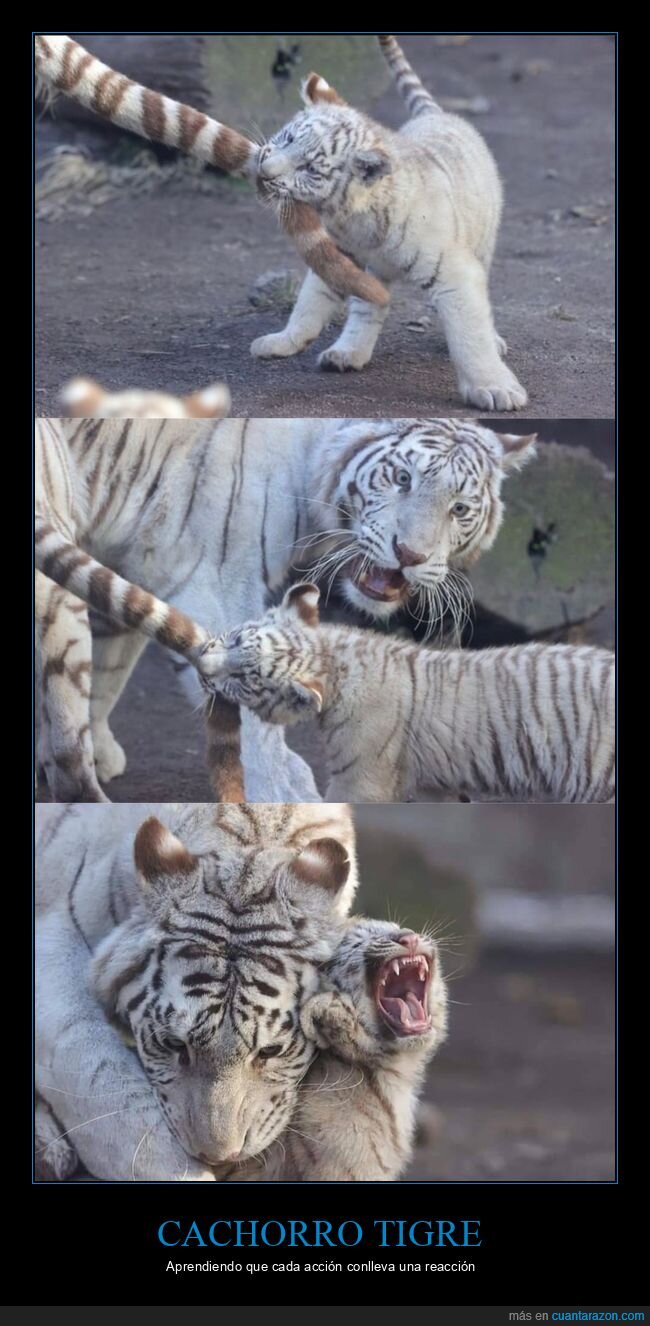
x=407, y=1011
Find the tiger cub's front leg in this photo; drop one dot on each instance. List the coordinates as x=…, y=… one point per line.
x=354, y=347
x=315, y=306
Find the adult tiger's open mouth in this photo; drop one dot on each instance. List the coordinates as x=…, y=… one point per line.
x=378, y=582
x=401, y=991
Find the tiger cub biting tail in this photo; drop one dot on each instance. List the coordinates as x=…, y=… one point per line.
x=525, y=723
x=423, y=205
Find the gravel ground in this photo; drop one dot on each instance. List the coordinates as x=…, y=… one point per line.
x=152, y=290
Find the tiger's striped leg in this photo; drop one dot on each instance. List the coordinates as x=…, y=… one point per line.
x=115, y=654
x=64, y=667
x=354, y=347
x=315, y=306
x=461, y=297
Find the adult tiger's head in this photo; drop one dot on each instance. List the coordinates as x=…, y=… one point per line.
x=323, y=151
x=404, y=506
x=209, y=973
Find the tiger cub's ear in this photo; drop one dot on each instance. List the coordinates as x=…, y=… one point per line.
x=164, y=865
x=315, y=89
x=517, y=450
x=81, y=397
x=302, y=601
x=211, y=403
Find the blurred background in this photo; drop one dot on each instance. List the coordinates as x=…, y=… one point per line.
x=524, y=898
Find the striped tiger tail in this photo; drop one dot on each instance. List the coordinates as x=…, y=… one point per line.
x=223, y=747
x=122, y=602
x=412, y=91
x=63, y=65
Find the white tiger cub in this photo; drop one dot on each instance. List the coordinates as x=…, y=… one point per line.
x=380, y=1015
x=423, y=205
x=83, y=398
x=200, y=947
x=167, y=528
x=526, y=723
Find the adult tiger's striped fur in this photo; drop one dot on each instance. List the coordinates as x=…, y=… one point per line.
x=380, y=1015
x=210, y=519
x=63, y=65
x=203, y=955
x=68, y=750
x=423, y=204
x=82, y=398
x=526, y=723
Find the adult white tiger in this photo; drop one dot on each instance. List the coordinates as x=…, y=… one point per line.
x=201, y=947
x=210, y=518
x=423, y=205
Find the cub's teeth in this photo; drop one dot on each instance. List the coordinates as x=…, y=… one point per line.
x=395, y=966
x=423, y=975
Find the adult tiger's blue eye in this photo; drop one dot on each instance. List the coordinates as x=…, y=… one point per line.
x=459, y=509
x=403, y=479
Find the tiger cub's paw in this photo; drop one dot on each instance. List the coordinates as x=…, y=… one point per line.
x=342, y=361
x=331, y=1020
x=277, y=345
x=499, y=391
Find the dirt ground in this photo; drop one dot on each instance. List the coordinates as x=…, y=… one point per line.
x=152, y=290
x=525, y=1085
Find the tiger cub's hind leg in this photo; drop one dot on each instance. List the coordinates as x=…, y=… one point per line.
x=64, y=669
x=54, y=1158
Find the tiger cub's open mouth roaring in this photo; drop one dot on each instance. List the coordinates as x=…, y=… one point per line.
x=401, y=986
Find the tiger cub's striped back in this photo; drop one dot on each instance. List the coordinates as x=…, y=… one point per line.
x=525, y=723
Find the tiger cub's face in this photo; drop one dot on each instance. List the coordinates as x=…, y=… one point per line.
x=208, y=978
x=322, y=150
x=272, y=665
x=393, y=978
x=84, y=399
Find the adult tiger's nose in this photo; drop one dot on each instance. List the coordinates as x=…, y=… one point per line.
x=406, y=556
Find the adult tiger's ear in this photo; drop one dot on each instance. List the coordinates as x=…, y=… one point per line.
x=211, y=403
x=302, y=601
x=371, y=165
x=81, y=398
x=314, y=90
x=517, y=450
x=323, y=865
x=165, y=866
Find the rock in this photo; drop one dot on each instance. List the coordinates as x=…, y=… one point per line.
x=552, y=564
x=275, y=290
